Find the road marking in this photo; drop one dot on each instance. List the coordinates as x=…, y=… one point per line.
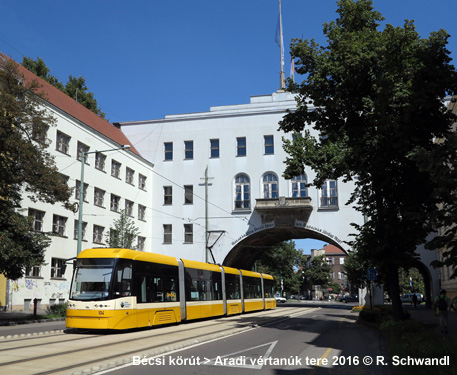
x=232, y=360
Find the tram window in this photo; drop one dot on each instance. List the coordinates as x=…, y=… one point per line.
x=217, y=285
x=170, y=288
x=269, y=287
x=123, y=280
x=232, y=286
x=203, y=285
x=156, y=282
x=252, y=287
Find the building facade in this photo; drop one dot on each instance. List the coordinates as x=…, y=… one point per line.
x=113, y=181
x=335, y=258
x=219, y=193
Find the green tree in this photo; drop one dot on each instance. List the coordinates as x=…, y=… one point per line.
x=355, y=268
x=414, y=277
x=39, y=68
x=26, y=168
x=378, y=98
x=319, y=272
x=75, y=87
x=282, y=261
x=123, y=234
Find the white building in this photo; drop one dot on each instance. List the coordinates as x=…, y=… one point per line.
x=113, y=181
x=249, y=205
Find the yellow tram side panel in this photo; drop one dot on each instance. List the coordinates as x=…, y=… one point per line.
x=153, y=314
x=204, y=309
x=270, y=301
x=253, y=304
x=101, y=315
x=234, y=306
x=120, y=314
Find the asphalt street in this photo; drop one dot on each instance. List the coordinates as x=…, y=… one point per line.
x=324, y=341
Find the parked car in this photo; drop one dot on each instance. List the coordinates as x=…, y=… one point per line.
x=280, y=299
x=409, y=297
x=346, y=299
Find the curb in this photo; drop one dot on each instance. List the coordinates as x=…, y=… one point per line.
x=22, y=322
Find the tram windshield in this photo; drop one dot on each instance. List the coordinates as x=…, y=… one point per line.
x=91, y=280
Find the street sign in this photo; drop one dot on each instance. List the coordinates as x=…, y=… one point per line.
x=372, y=274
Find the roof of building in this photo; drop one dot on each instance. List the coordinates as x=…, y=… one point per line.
x=67, y=104
x=333, y=250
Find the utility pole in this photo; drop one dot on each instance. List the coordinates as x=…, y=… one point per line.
x=206, y=178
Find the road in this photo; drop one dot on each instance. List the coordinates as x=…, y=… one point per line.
x=323, y=339
x=316, y=342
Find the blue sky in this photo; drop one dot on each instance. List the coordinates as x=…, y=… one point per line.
x=144, y=59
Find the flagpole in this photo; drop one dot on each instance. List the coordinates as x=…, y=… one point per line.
x=282, y=79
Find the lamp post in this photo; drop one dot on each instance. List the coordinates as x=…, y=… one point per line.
x=81, y=191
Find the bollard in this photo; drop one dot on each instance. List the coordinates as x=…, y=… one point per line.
x=35, y=303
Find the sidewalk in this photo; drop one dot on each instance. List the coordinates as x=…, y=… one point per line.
x=428, y=317
x=11, y=318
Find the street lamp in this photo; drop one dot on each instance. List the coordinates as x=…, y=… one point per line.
x=81, y=190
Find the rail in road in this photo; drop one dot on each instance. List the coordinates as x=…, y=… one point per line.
x=75, y=352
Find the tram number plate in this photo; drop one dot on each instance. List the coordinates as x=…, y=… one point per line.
x=101, y=313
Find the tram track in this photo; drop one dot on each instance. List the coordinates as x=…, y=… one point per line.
x=110, y=347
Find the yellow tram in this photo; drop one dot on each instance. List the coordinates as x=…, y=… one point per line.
x=123, y=289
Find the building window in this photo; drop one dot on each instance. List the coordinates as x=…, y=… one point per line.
x=341, y=260
x=129, y=175
x=39, y=134
x=269, y=145
x=38, y=218
x=128, y=208
x=34, y=271
x=299, y=188
x=141, y=242
x=167, y=231
x=141, y=212
x=214, y=148
x=329, y=194
x=242, y=192
x=65, y=178
x=188, y=150
x=98, y=234
x=188, y=233
x=83, y=230
x=330, y=261
x=78, y=190
x=58, y=225
x=142, y=182
x=114, y=203
x=100, y=160
x=63, y=143
x=56, y=268
x=167, y=195
x=82, y=148
x=270, y=186
x=99, y=197
x=188, y=194
x=168, y=147
x=115, y=169
x=241, y=146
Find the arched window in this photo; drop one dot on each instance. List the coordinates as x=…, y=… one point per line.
x=299, y=188
x=270, y=186
x=242, y=192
